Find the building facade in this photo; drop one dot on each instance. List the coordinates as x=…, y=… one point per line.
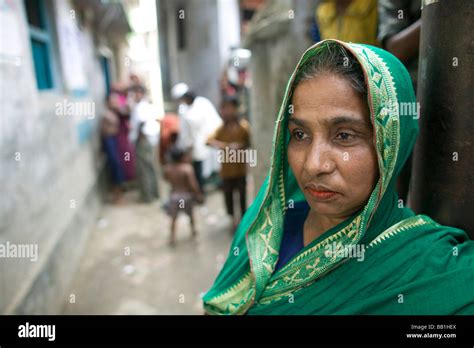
x=195, y=41
x=57, y=60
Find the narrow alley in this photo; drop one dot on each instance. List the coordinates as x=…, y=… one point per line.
x=119, y=119
x=129, y=268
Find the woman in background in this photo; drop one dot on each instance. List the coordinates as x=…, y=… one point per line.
x=125, y=148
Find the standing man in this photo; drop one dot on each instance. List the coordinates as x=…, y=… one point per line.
x=144, y=134
x=198, y=119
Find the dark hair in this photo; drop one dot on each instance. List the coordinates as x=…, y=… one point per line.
x=176, y=153
x=334, y=58
x=230, y=100
x=189, y=96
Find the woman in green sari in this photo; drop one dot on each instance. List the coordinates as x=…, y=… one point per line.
x=327, y=233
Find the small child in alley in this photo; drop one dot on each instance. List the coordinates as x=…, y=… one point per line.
x=233, y=135
x=184, y=188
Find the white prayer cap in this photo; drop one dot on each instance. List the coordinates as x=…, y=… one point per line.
x=179, y=90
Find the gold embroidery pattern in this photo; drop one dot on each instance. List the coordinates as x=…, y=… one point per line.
x=234, y=299
x=402, y=226
x=311, y=263
x=386, y=116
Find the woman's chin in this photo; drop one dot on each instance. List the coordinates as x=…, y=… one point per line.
x=324, y=207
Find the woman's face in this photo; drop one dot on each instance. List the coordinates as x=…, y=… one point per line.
x=331, y=150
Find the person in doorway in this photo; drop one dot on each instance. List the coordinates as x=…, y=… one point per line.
x=144, y=134
x=233, y=135
x=184, y=189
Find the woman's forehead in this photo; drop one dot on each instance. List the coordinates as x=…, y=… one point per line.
x=329, y=100
x=353, y=119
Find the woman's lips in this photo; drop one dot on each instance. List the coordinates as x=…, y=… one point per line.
x=321, y=195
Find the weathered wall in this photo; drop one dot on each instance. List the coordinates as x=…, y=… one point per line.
x=49, y=169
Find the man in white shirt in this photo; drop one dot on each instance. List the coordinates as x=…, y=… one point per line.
x=144, y=133
x=198, y=119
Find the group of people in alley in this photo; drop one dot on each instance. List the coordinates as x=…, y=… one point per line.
x=130, y=134
x=140, y=146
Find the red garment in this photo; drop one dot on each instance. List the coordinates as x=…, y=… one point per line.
x=168, y=133
x=123, y=100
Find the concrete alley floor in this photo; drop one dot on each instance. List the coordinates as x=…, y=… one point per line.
x=128, y=267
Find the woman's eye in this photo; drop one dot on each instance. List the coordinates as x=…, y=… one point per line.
x=343, y=136
x=298, y=135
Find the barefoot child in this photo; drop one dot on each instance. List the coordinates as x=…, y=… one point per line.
x=184, y=188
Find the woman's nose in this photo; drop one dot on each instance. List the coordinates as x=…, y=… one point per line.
x=319, y=159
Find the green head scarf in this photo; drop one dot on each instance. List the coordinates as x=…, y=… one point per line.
x=411, y=264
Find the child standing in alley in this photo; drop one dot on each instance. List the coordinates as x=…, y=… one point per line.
x=233, y=135
x=184, y=188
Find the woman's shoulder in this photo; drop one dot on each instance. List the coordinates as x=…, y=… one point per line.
x=432, y=265
x=418, y=225
x=430, y=226
x=431, y=246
